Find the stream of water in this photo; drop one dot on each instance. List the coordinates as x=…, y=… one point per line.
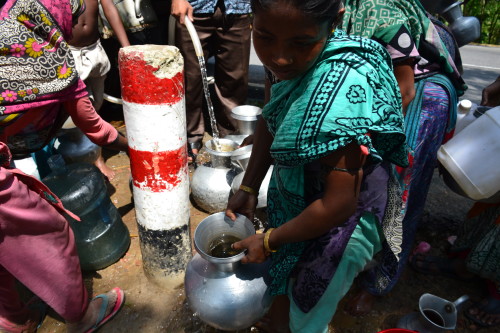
x=213, y=123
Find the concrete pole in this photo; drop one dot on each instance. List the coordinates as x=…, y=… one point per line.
x=152, y=85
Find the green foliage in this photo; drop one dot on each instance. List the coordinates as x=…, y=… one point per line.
x=488, y=13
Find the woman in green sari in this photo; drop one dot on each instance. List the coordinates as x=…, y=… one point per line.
x=334, y=128
x=426, y=64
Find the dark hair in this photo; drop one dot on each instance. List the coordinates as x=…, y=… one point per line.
x=320, y=10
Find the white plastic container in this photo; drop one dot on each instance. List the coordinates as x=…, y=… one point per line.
x=472, y=157
x=466, y=114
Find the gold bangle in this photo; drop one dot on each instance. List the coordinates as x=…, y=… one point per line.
x=248, y=189
x=266, y=240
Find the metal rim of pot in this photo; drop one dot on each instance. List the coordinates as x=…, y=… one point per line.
x=202, y=228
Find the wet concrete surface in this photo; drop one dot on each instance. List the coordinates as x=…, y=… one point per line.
x=151, y=309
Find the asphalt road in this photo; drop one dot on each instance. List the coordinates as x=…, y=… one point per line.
x=481, y=65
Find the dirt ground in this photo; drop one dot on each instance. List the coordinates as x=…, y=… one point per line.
x=149, y=309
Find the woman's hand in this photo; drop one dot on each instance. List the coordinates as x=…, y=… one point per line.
x=247, y=141
x=255, y=249
x=241, y=202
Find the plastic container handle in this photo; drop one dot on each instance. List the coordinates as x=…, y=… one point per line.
x=194, y=37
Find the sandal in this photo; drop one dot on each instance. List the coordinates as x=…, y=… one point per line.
x=102, y=318
x=488, y=307
x=434, y=265
x=193, y=146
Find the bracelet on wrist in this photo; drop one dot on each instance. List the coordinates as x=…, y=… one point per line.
x=266, y=240
x=248, y=189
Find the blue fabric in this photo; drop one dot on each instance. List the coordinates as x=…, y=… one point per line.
x=231, y=6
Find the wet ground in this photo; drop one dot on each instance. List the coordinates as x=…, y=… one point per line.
x=150, y=309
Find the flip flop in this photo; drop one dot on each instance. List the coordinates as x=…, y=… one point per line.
x=436, y=266
x=101, y=318
x=192, y=155
x=492, y=307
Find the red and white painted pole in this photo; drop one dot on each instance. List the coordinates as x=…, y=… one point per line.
x=152, y=85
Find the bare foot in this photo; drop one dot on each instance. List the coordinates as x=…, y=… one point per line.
x=277, y=319
x=361, y=304
x=106, y=170
x=91, y=318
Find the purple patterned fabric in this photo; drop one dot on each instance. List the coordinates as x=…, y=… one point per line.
x=321, y=257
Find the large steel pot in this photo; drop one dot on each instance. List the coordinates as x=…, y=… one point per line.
x=211, y=182
x=246, y=117
x=223, y=292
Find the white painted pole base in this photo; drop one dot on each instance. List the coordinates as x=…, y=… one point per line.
x=154, y=109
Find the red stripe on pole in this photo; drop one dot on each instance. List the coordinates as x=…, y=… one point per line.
x=158, y=171
x=141, y=86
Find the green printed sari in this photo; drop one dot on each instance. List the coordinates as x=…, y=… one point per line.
x=350, y=95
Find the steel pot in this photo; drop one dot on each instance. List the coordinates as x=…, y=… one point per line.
x=211, y=182
x=246, y=117
x=223, y=292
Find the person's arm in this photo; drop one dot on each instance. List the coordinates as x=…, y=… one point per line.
x=181, y=8
x=93, y=126
x=405, y=76
x=242, y=201
x=334, y=208
x=115, y=21
x=491, y=94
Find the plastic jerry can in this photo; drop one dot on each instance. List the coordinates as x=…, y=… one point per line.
x=101, y=236
x=472, y=156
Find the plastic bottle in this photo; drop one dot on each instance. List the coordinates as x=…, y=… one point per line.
x=465, y=114
x=101, y=236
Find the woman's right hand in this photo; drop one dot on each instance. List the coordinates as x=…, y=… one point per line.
x=255, y=249
x=243, y=203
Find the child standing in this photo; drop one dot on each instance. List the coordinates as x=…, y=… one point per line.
x=91, y=60
x=334, y=128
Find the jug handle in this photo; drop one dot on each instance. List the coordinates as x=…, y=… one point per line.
x=137, y=8
x=460, y=300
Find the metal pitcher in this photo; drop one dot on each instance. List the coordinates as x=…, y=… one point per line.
x=223, y=292
x=211, y=182
x=136, y=15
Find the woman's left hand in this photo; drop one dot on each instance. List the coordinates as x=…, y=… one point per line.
x=255, y=249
